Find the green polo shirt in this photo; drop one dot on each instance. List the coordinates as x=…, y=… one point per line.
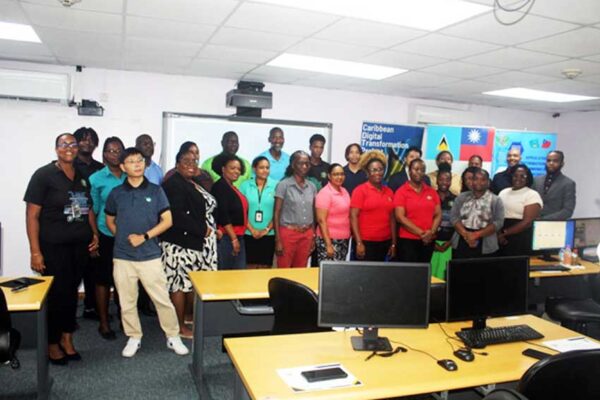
x=207, y=166
x=264, y=202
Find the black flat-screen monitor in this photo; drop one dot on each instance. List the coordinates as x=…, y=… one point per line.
x=587, y=232
x=477, y=288
x=551, y=236
x=372, y=295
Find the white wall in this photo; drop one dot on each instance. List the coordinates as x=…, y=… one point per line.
x=134, y=103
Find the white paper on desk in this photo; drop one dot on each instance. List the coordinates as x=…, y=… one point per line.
x=570, y=344
x=294, y=379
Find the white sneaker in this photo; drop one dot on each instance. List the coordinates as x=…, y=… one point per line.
x=174, y=343
x=131, y=347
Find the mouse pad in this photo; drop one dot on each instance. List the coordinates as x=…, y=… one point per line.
x=20, y=282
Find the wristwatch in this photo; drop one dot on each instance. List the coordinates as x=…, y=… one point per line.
x=146, y=237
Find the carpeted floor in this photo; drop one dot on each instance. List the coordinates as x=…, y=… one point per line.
x=154, y=373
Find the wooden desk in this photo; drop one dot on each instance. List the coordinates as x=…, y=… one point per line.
x=29, y=306
x=214, y=292
x=256, y=360
x=589, y=269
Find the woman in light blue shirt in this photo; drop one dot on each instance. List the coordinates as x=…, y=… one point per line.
x=102, y=183
x=259, y=238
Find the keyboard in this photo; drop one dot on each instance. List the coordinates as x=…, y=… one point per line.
x=479, y=338
x=552, y=267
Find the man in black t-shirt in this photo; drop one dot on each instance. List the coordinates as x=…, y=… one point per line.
x=318, y=168
x=87, y=140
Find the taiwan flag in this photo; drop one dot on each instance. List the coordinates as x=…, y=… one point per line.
x=476, y=141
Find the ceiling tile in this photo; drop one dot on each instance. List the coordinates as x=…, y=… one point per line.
x=12, y=48
x=512, y=58
x=110, y=6
x=570, y=87
x=578, y=43
x=328, y=49
x=328, y=81
x=164, y=48
x=466, y=87
x=226, y=53
x=194, y=11
x=71, y=19
x=595, y=58
x=397, y=59
x=97, y=62
x=436, y=45
x=272, y=18
x=277, y=74
x=487, y=29
x=580, y=11
x=204, y=65
x=367, y=33
x=555, y=69
x=169, y=30
x=516, y=79
x=419, y=79
x=459, y=69
x=30, y=58
x=139, y=60
x=252, y=39
x=87, y=45
x=590, y=78
x=11, y=11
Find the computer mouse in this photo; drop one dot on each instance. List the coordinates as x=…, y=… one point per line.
x=448, y=364
x=464, y=354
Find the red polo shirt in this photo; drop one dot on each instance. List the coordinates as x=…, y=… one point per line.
x=418, y=207
x=375, y=207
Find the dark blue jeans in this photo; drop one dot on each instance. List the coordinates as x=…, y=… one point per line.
x=225, y=258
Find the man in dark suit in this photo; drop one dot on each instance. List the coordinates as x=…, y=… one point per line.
x=400, y=178
x=557, y=191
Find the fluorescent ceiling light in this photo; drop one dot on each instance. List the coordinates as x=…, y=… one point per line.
x=540, y=95
x=420, y=14
x=24, y=33
x=335, y=67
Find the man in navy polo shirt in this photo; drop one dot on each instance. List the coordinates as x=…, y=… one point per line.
x=132, y=211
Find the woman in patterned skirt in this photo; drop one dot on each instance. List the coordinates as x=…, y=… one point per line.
x=190, y=244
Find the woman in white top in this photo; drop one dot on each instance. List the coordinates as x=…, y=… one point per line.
x=522, y=205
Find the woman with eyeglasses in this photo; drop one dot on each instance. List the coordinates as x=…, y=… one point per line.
x=333, y=211
x=372, y=212
x=202, y=177
x=62, y=232
x=293, y=216
x=101, y=184
x=232, y=212
x=183, y=244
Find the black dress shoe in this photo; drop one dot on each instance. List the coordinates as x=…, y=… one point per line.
x=59, y=361
x=71, y=357
x=107, y=335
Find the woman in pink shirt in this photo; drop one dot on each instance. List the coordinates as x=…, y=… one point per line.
x=333, y=216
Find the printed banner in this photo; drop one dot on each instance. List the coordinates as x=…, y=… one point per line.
x=534, y=147
x=393, y=140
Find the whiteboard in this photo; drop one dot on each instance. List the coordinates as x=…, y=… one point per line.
x=253, y=133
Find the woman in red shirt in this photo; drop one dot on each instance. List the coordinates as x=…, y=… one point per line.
x=419, y=213
x=371, y=212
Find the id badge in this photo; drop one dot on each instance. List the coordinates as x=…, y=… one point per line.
x=258, y=216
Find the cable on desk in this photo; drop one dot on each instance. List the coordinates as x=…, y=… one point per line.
x=413, y=349
x=463, y=346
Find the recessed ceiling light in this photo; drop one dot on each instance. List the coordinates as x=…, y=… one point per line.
x=539, y=95
x=24, y=33
x=335, y=67
x=420, y=14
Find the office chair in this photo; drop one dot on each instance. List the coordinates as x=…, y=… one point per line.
x=10, y=339
x=295, y=307
x=573, y=314
x=504, y=394
x=574, y=375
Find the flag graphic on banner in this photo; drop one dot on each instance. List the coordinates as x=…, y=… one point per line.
x=476, y=141
x=443, y=144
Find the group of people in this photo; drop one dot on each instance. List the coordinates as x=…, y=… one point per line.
x=126, y=223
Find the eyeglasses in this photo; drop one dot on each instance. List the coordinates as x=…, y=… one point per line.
x=387, y=353
x=72, y=145
x=135, y=161
x=113, y=151
x=338, y=174
x=375, y=170
x=187, y=161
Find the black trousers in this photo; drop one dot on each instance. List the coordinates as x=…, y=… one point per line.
x=413, y=250
x=65, y=262
x=376, y=251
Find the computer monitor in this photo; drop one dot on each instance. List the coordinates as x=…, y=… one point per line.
x=551, y=236
x=587, y=232
x=372, y=295
x=477, y=288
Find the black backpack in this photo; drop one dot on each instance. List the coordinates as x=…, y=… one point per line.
x=10, y=338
